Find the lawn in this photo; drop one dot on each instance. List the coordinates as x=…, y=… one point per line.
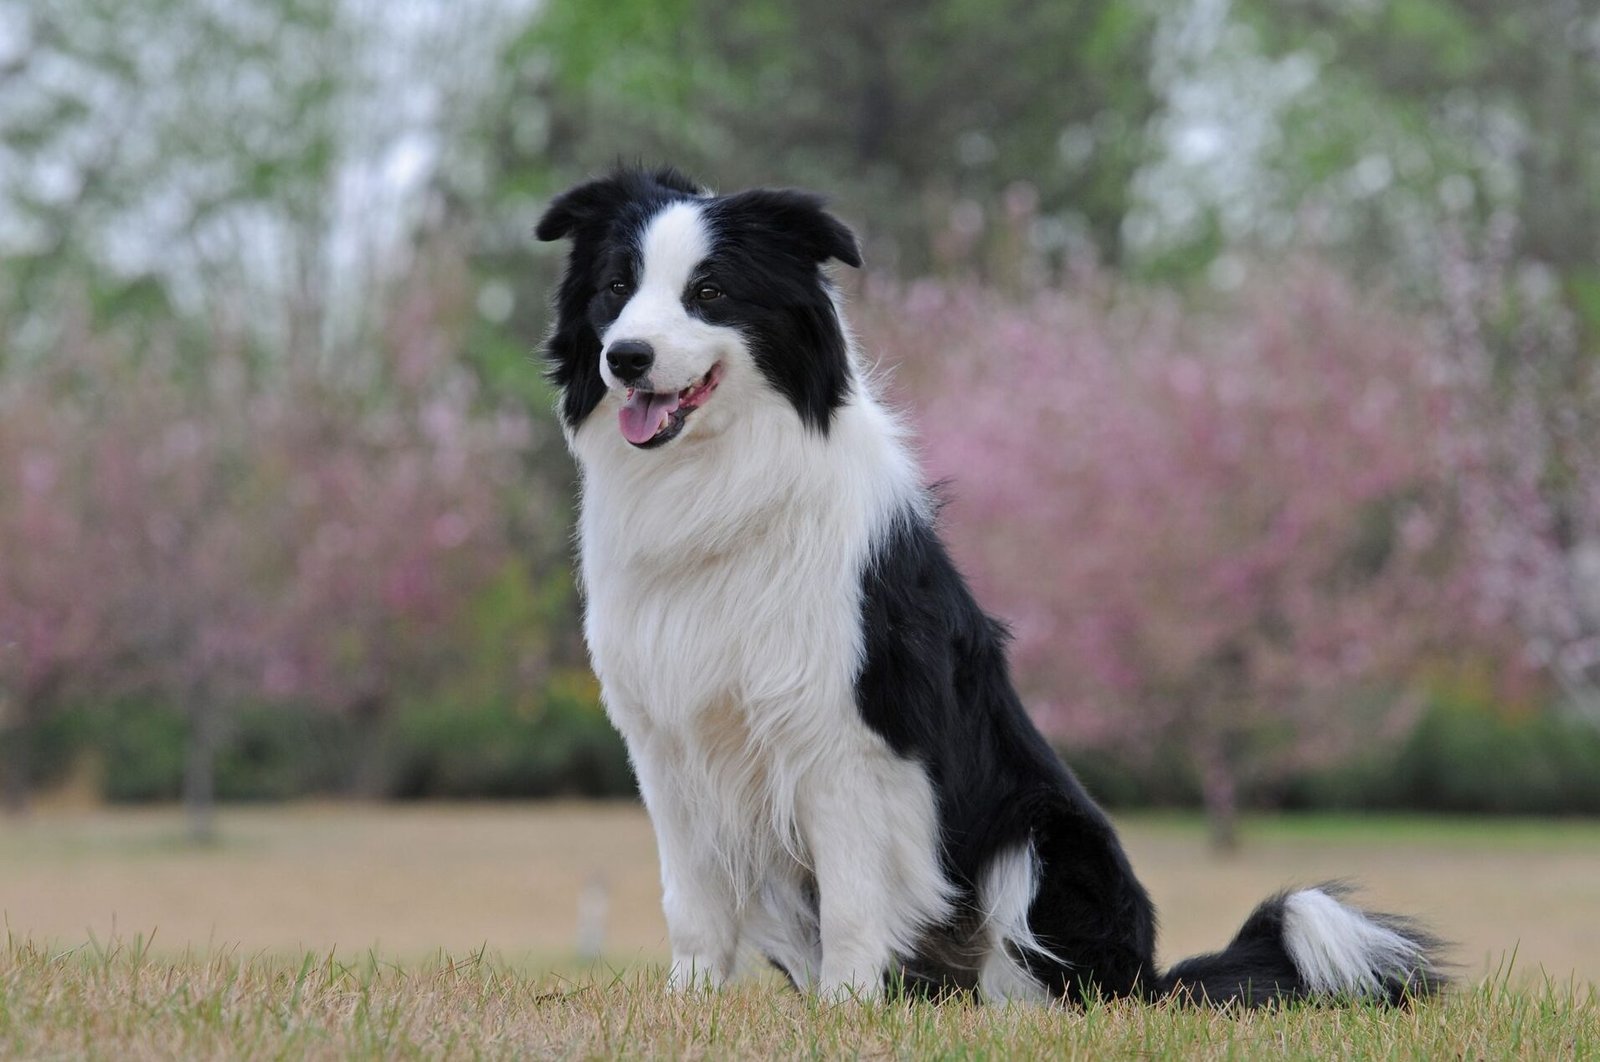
x=424, y=930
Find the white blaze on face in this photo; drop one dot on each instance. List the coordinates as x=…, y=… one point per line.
x=675, y=242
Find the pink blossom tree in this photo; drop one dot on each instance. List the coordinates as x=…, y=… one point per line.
x=1227, y=530
x=1527, y=460
x=126, y=561
x=53, y=622
x=401, y=503
x=177, y=521
x=176, y=517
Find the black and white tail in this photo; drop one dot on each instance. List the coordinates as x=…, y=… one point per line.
x=1310, y=944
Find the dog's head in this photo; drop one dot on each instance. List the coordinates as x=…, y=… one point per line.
x=672, y=293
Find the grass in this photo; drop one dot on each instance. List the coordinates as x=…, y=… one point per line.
x=117, y=1001
x=316, y=932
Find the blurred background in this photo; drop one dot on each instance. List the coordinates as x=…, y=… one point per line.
x=1259, y=343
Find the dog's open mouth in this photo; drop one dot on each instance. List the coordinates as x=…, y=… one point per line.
x=650, y=418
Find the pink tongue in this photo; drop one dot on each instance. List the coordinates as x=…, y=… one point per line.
x=643, y=414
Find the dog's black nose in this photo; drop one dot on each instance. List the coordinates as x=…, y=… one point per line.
x=630, y=359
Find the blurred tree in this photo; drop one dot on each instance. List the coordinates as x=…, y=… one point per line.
x=1229, y=534
x=1451, y=145
x=1371, y=129
x=218, y=539
x=230, y=201
x=237, y=465
x=405, y=510
x=54, y=627
x=261, y=165
x=915, y=117
x=1509, y=90
x=173, y=504
x=147, y=146
x=1531, y=485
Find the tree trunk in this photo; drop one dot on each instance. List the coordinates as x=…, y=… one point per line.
x=16, y=767
x=369, y=775
x=1219, y=789
x=200, y=771
x=16, y=756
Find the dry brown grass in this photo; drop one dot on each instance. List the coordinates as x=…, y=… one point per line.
x=412, y=881
x=261, y=944
x=120, y=1003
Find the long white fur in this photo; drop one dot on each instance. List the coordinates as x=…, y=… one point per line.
x=1338, y=950
x=722, y=575
x=1007, y=893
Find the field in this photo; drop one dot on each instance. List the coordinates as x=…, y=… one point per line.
x=331, y=931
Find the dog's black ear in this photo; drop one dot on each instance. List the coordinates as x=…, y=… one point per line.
x=599, y=200
x=799, y=217
x=579, y=207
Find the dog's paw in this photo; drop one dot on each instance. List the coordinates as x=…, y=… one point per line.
x=850, y=989
x=693, y=973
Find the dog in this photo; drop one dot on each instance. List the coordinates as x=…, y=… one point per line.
x=840, y=774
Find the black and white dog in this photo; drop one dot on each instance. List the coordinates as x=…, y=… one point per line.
x=840, y=775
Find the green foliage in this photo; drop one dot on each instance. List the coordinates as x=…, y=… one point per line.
x=1467, y=757
x=278, y=754
x=141, y=747
x=628, y=48
x=271, y=753
x=1466, y=107
x=1464, y=757
x=561, y=745
x=555, y=744
x=147, y=141
x=1583, y=295
x=899, y=110
x=503, y=723
x=507, y=367
x=1166, y=778
x=51, y=745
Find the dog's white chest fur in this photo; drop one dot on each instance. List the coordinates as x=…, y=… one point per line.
x=727, y=570
x=723, y=585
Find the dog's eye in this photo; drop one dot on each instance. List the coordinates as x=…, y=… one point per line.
x=707, y=292
x=619, y=287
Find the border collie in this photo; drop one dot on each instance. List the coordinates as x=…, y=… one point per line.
x=840, y=775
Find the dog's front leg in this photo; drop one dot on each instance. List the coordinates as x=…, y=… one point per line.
x=871, y=826
x=696, y=895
